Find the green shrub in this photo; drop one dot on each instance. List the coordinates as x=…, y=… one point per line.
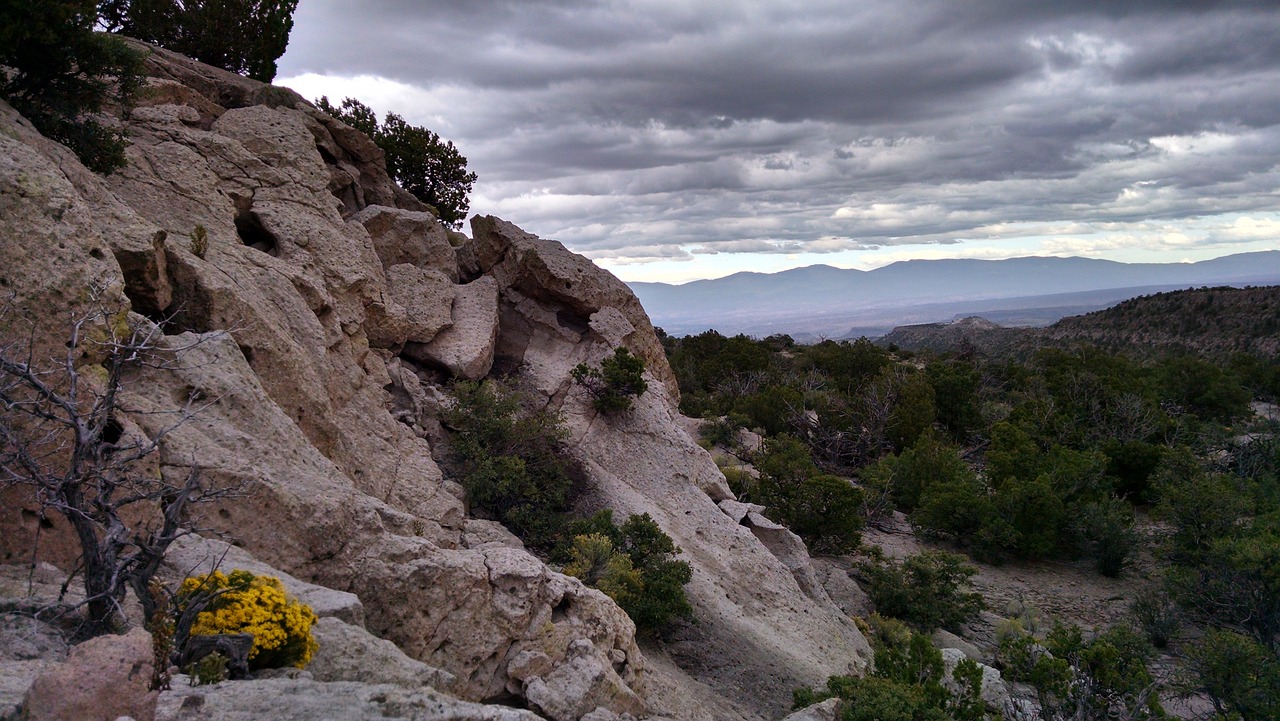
x=64, y=76
x=929, y=461
x=740, y=481
x=1236, y=581
x=721, y=432
x=1106, y=530
x=1202, y=507
x=511, y=461
x=653, y=553
x=927, y=590
x=199, y=241
x=1107, y=676
x=1239, y=675
x=614, y=385
x=907, y=684
x=209, y=670
x=634, y=564
x=1156, y=614
x=243, y=36
x=824, y=510
x=599, y=566
x=1035, y=514
x=419, y=160
x=1023, y=658
x=955, y=507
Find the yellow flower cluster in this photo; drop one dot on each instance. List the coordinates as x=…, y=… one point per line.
x=281, y=626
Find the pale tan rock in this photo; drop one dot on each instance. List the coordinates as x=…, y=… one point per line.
x=943, y=638
x=53, y=247
x=427, y=297
x=466, y=347
x=102, y=679
x=406, y=236
x=788, y=548
x=287, y=331
x=828, y=710
x=780, y=636
x=739, y=511
x=350, y=653
x=570, y=285
x=584, y=683
x=843, y=590
x=300, y=699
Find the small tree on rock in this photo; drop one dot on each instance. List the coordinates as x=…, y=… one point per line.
x=420, y=161
x=614, y=385
x=61, y=436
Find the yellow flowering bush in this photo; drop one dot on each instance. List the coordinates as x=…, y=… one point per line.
x=281, y=626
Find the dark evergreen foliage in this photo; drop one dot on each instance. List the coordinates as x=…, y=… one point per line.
x=65, y=77
x=243, y=36
x=420, y=161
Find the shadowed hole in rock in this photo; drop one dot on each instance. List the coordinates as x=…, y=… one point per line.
x=112, y=432
x=326, y=155
x=29, y=516
x=560, y=611
x=426, y=371
x=572, y=322
x=506, y=698
x=138, y=269
x=252, y=234
x=247, y=352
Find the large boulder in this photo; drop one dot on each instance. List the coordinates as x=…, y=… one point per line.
x=407, y=236
x=101, y=680
x=466, y=347
x=302, y=699
x=567, y=290
x=267, y=335
x=350, y=653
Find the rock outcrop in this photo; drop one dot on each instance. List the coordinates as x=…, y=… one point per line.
x=315, y=331
x=101, y=680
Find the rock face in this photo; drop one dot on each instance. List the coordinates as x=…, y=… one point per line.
x=317, y=329
x=101, y=680
x=285, y=699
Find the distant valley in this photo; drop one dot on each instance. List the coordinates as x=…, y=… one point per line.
x=825, y=302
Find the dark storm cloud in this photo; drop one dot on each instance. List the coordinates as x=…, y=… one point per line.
x=626, y=128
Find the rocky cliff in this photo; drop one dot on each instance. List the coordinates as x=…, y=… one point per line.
x=322, y=321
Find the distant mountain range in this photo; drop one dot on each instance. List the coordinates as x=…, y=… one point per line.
x=820, y=300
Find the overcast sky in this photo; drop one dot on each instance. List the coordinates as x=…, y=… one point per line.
x=680, y=139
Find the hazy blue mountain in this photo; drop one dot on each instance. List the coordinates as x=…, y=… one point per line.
x=821, y=300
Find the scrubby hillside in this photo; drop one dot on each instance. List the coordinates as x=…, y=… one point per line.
x=974, y=332
x=1216, y=321
x=1209, y=321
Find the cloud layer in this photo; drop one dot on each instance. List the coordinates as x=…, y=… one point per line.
x=640, y=130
